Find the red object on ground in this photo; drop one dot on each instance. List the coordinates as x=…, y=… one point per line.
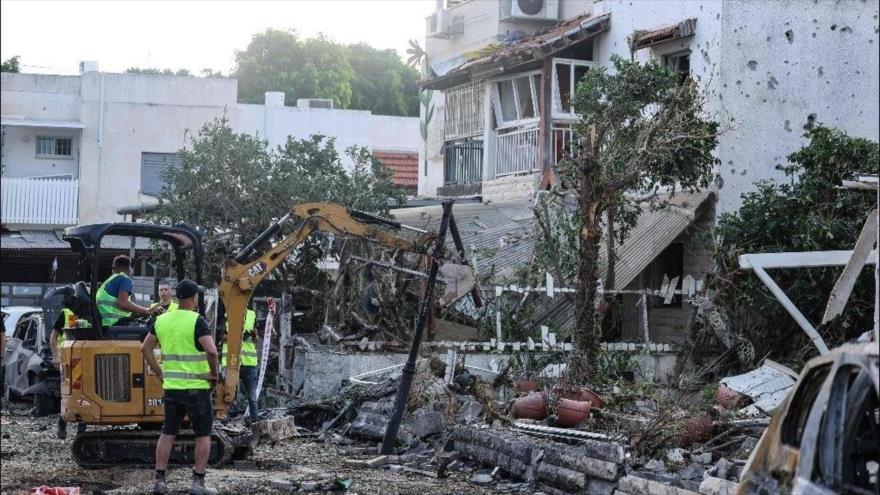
x=582, y=394
x=699, y=428
x=525, y=385
x=532, y=406
x=55, y=490
x=571, y=412
x=726, y=397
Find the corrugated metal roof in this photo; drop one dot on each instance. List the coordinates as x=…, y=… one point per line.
x=50, y=239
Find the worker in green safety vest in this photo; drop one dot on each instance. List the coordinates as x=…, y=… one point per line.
x=114, y=296
x=248, y=363
x=165, y=299
x=188, y=374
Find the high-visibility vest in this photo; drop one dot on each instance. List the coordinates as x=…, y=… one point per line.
x=248, y=347
x=171, y=307
x=184, y=367
x=69, y=322
x=110, y=312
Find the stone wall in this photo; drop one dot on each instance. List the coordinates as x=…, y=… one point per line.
x=510, y=187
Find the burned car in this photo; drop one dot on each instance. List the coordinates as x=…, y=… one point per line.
x=28, y=368
x=825, y=436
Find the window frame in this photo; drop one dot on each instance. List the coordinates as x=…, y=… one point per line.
x=52, y=156
x=556, y=97
x=501, y=124
x=665, y=58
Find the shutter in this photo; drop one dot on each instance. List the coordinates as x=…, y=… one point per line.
x=152, y=165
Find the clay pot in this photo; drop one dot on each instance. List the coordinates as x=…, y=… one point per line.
x=699, y=428
x=531, y=406
x=726, y=397
x=582, y=394
x=524, y=385
x=571, y=412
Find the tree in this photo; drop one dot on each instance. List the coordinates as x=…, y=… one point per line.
x=10, y=65
x=157, y=72
x=231, y=186
x=807, y=213
x=353, y=76
x=641, y=129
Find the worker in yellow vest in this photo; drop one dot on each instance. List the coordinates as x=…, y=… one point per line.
x=189, y=371
x=114, y=296
x=67, y=319
x=248, y=370
x=165, y=299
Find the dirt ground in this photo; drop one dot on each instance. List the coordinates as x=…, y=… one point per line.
x=32, y=456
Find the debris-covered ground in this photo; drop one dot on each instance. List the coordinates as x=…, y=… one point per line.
x=33, y=456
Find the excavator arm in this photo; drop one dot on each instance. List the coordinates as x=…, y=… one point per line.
x=245, y=272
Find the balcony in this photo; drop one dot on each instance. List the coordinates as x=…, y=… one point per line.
x=39, y=201
x=516, y=153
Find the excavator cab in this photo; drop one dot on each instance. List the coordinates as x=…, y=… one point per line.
x=86, y=240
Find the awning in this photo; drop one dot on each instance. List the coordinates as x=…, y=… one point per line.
x=495, y=59
x=56, y=124
x=51, y=240
x=644, y=39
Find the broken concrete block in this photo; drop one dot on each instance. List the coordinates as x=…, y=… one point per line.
x=482, y=479
x=573, y=458
x=596, y=486
x=717, y=486
x=643, y=486
x=561, y=477
x=692, y=472
x=704, y=458
x=425, y=423
x=275, y=429
x=675, y=455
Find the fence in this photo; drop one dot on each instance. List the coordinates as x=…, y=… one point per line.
x=516, y=152
x=39, y=201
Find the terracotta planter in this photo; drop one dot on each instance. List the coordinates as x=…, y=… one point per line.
x=524, y=385
x=571, y=412
x=532, y=406
x=699, y=428
x=582, y=394
x=726, y=397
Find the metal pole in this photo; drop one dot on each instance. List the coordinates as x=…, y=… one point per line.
x=409, y=369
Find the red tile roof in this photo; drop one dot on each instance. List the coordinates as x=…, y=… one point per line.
x=404, y=164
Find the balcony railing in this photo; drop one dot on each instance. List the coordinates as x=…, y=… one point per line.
x=463, y=162
x=563, y=139
x=516, y=152
x=39, y=201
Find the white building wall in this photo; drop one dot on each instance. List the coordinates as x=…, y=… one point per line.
x=127, y=114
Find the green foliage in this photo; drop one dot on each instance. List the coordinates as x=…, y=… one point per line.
x=353, y=76
x=157, y=72
x=11, y=65
x=231, y=186
x=641, y=129
x=808, y=213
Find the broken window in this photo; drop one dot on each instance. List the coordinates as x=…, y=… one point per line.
x=680, y=63
x=463, y=116
x=515, y=100
x=567, y=73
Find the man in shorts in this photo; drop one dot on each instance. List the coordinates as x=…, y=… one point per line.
x=188, y=374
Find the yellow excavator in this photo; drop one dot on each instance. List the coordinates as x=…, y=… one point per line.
x=105, y=380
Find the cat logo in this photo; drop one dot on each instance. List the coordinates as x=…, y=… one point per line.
x=258, y=268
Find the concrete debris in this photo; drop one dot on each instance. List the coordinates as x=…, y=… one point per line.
x=275, y=429
x=767, y=386
x=717, y=486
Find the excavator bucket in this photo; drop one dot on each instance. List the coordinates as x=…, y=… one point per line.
x=458, y=279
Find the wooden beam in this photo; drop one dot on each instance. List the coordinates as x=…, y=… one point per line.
x=801, y=259
x=844, y=285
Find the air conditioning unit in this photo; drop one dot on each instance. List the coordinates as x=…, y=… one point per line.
x=314, y=103
x=441, y=24
x=533, y=10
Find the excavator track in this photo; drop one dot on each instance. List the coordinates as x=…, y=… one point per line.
x=137, y=447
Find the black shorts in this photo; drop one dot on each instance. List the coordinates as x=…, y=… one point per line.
x=193, y=403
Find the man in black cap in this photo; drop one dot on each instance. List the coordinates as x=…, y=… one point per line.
x=188, y=374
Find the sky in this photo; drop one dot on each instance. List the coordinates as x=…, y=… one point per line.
x=52, y=37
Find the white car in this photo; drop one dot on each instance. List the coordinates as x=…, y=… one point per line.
x=12, y=315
